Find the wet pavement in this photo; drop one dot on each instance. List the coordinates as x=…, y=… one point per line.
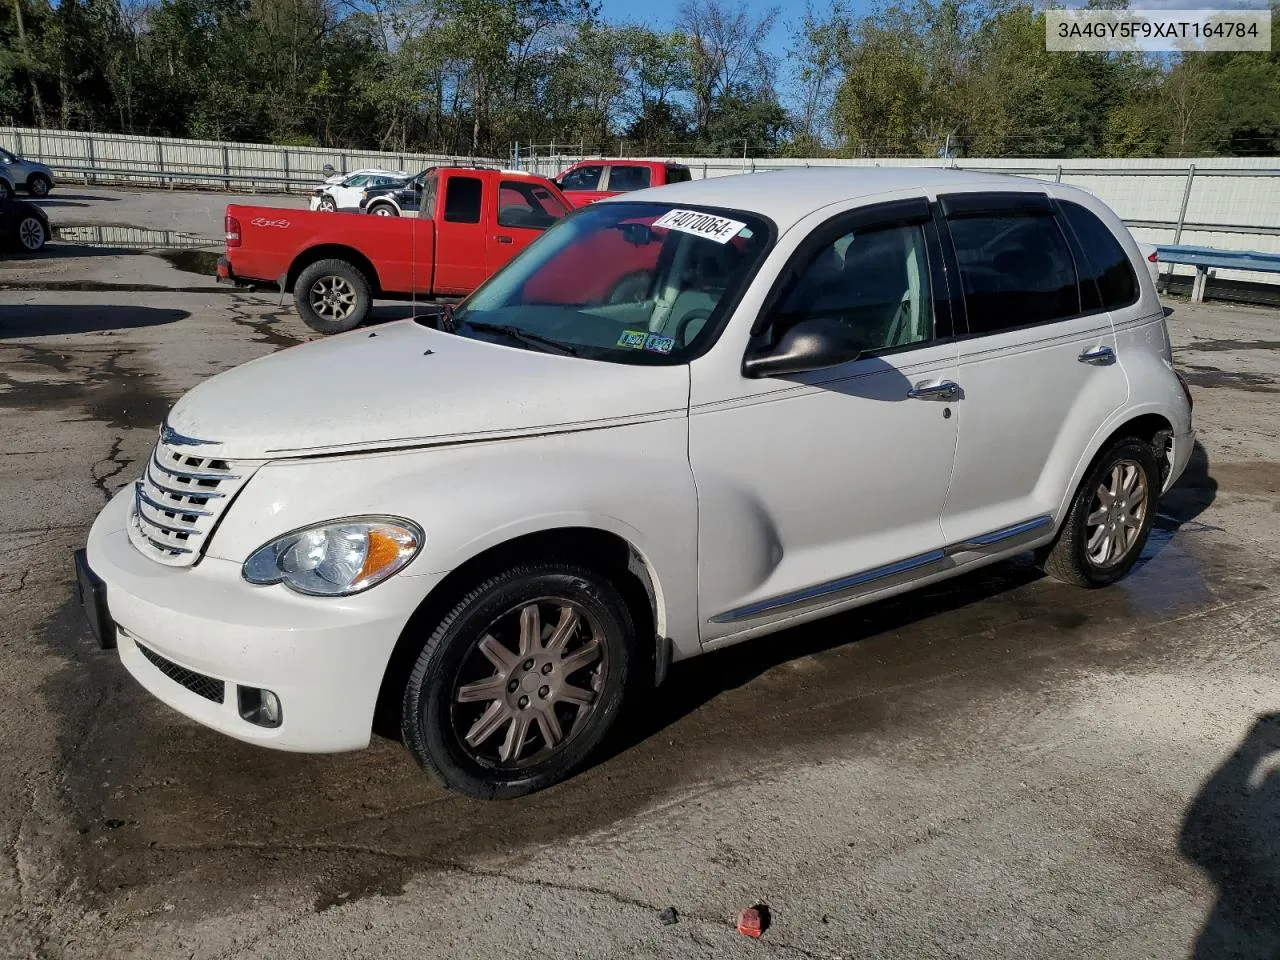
x=999, y=766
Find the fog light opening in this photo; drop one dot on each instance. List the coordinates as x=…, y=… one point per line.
x=259, y=707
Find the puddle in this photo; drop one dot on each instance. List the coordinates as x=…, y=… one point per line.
x=130, y=238
x=202, y=262
x=1204, y=376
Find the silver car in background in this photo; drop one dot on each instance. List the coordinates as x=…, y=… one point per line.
x=19, y=174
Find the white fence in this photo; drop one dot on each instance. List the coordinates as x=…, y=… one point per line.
x=1227, y=203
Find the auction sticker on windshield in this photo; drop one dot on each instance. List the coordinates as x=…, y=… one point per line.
x=708, y=225
x=644, y=340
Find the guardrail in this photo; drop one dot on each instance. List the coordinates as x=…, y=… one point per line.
x=1206, y=258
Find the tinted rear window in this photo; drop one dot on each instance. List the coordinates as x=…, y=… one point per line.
x=1016, y=271
x=1106, y=263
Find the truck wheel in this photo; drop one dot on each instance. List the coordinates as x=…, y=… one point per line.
x=332, y=296
x=520, y=681
x=384, y=210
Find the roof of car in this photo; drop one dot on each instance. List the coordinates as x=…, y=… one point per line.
x=788, y=195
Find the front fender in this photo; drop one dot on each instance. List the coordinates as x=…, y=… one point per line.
x=632, y=481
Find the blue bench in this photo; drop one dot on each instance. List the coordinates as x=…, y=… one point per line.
x=1206, y=258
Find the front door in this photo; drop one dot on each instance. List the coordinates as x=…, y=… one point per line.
x=1037, y=366
x=818, y=488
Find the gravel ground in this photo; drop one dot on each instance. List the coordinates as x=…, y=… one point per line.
x=998, y=767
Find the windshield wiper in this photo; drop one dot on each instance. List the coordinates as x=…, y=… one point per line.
x=521, y=336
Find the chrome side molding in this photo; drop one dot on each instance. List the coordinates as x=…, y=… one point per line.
x=830, y=588
x=833, y=588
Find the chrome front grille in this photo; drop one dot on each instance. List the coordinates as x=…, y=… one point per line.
x=178, y=500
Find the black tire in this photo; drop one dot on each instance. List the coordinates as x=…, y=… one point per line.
x=1069, y=557
x=384, y=210
x=327, y=204
x=323, y=313
x=434, y=715
x=38, y=185
x=31, y=235
x=6, y=191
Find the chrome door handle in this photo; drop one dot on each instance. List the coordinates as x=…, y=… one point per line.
x=939, y=390
x=1098, y=356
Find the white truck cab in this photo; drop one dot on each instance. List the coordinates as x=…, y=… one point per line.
x=682, y=418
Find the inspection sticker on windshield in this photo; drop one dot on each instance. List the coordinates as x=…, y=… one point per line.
x=644, y=340
x=719, y=229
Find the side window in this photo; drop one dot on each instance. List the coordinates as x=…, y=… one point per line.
x=462, y=200
x=427, y=203
x=528, y=205
x=875, y=282
x=583, y=178
x=678, y=175
x=1016, y=271
x=1106, y=263
x=626, y=179
x=359, y=180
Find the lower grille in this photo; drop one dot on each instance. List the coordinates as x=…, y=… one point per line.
x=202, y=686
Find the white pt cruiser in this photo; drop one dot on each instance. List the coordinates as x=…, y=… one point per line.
x=682, y=418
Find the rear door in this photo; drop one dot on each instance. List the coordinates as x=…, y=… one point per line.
x=461, y=240
x=625, y=177
x=522, y=210
x=1036, y=365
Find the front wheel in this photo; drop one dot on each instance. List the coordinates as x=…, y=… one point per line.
x=1109, y=518
x=332, y=296
x=384, y=210
x=520, y=682
x=327, y=204
x=5, y=190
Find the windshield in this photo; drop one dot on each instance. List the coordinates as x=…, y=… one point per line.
x=624, y=282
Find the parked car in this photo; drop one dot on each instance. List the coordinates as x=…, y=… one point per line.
x=472, y=222
x=399, y=199
x=489, y=528
x=23, y=226
x=590, y=180
x=19, y=174
x=344, y=192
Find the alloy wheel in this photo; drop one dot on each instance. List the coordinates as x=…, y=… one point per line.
x=31, y=234
x=38, y=186
x=1116, y=515
x=528, y=685
x=333, y=298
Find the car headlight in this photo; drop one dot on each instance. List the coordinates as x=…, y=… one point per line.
x=336, y=558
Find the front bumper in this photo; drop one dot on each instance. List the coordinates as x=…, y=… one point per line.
x=323, y=657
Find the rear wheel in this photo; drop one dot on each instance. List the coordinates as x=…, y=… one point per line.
x=1109, y=519
x=31, y=234
x=38, y=185
x=332, y=296
x=5, y=190
x=520, y=682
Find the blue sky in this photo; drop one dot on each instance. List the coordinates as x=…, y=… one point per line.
x=664, y=13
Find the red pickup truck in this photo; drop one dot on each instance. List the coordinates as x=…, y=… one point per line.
x=470, y=223
x=590, y=180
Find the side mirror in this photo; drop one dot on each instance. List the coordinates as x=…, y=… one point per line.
x=807, y=345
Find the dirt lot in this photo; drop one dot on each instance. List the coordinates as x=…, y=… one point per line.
x=1002, y=766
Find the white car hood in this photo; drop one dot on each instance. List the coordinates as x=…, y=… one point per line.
x=403, y=385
